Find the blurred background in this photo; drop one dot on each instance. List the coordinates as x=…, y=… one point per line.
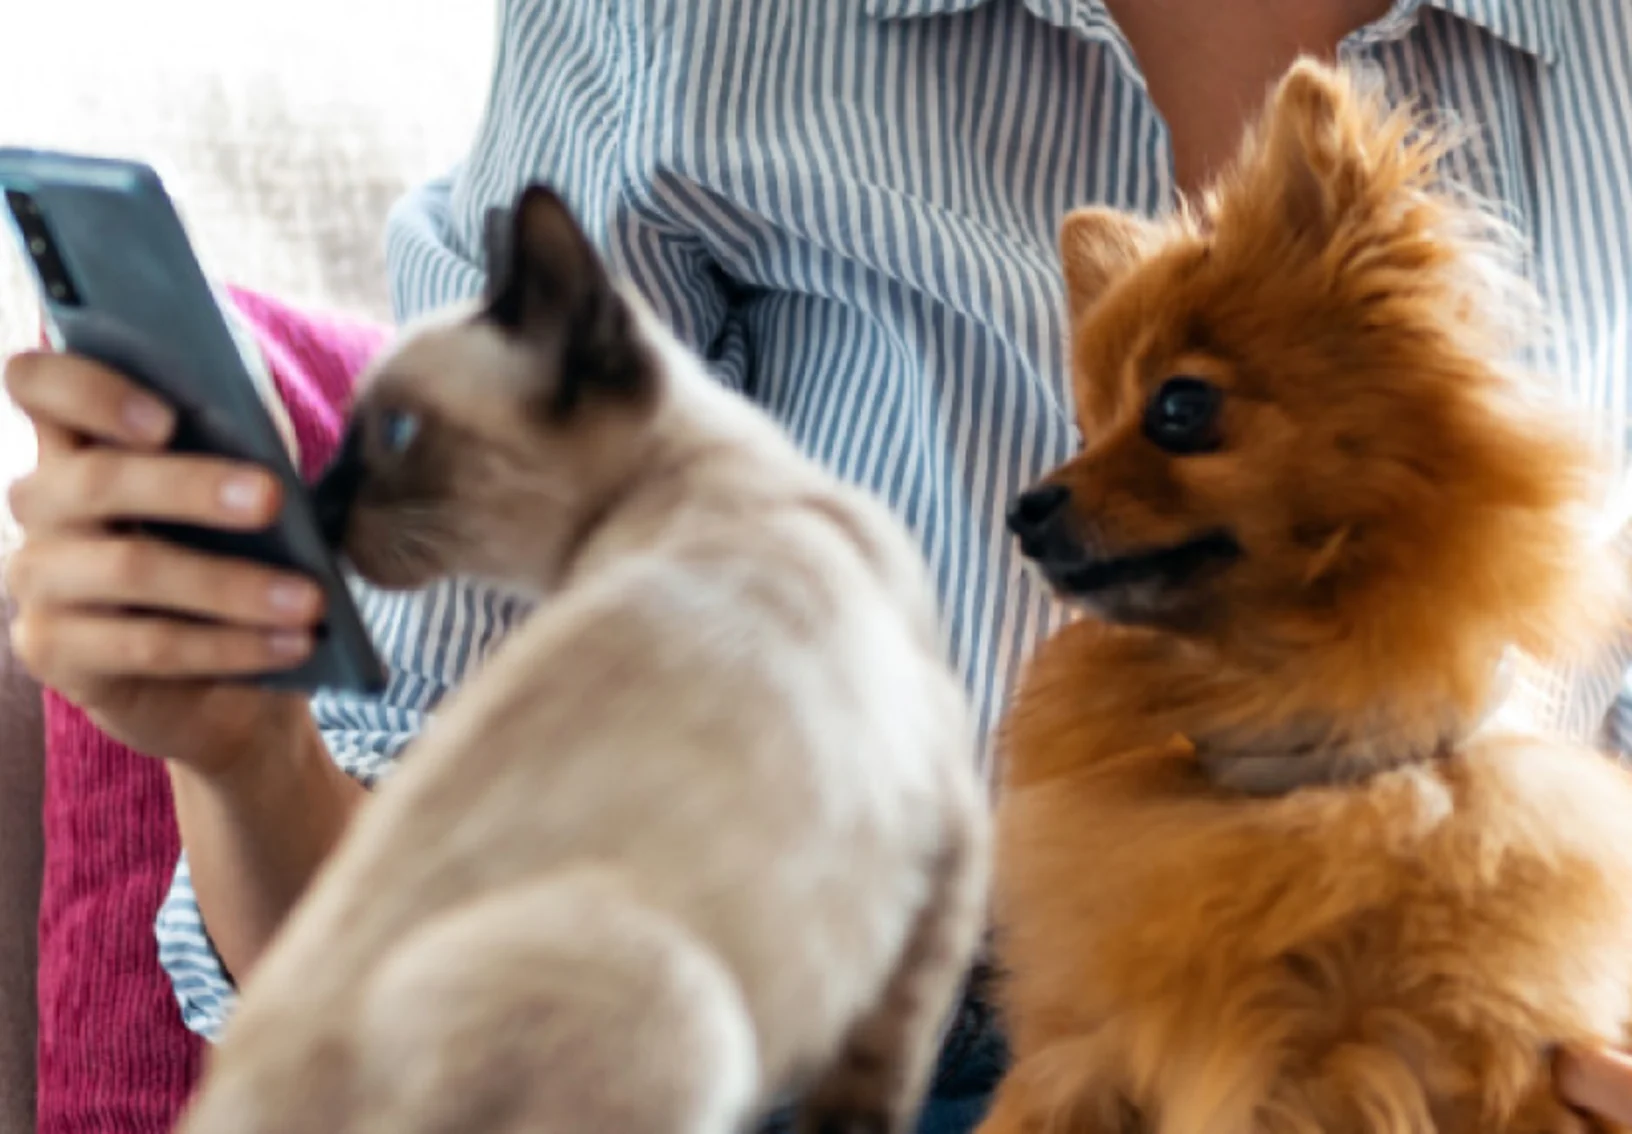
x=284, y=131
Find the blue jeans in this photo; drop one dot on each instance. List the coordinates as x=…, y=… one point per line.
x=973, y=1059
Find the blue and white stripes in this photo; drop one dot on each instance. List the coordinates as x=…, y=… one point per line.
x=850, y=208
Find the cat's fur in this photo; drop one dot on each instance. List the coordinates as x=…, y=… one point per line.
x=1265, y=864
x=705, y=832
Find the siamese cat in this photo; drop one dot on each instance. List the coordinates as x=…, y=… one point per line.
x=704, y=834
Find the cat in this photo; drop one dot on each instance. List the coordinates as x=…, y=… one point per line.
x=703, y=835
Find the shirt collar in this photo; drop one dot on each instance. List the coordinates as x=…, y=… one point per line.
x=1088, y=17
x=1529, y=25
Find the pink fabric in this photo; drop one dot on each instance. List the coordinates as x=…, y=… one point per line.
x=114, y=1056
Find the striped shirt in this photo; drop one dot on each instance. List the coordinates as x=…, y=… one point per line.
x=850, y=208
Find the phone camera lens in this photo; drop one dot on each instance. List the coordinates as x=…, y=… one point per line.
x=21, y=204
x=53, y=273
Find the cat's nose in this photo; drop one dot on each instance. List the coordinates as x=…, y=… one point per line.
x=336, y=489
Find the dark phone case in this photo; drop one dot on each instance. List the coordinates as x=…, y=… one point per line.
x=145, y=308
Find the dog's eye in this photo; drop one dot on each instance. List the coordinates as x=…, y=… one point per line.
x=398, y=428
x=1183, y=416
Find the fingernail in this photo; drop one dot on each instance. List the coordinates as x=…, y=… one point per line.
x=242, y=493
x=147, y=419
x=288, y=644
x=292, y=598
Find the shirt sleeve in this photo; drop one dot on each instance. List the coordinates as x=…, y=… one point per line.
x=558, y=114
x=364, y=746
x=428, y=640
x=1615, y=729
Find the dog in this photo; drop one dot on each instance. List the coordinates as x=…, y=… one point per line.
x=703, y=835
x=1269, y=858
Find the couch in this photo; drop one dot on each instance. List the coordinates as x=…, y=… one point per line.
x=285, y=133
x=21, y=745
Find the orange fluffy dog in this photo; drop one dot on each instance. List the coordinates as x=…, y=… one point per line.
x=1268, y=863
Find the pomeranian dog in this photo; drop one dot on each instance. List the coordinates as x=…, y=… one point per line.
x=705, y=833
x=1267, y=861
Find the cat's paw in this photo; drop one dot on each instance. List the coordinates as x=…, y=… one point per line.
x=840, y=1122
x=846, y=1105
x=860, y=1094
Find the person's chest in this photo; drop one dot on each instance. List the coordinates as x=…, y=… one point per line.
x=915, y=170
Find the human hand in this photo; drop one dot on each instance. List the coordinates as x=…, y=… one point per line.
x=1597, y=1080
x=137, y=631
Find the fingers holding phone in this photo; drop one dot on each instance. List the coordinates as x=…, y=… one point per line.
x=138, y=630
x=187, y=443
x=67, y=397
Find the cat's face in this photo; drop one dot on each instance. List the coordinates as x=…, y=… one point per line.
x=491, y=439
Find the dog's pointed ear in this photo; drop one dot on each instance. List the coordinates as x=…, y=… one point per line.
x=1325, y=150
x=547, y=285
x=1316, y=146
x=1097, y=246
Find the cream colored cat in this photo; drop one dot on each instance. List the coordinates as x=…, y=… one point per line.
x=703, y=834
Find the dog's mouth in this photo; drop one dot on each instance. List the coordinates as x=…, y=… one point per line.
x=1081, y=577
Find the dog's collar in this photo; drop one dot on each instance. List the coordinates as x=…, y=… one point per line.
x=1268, y=771
x=1318, y=755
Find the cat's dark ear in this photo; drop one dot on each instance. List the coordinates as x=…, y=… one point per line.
x=547, y=285
x=496, y=249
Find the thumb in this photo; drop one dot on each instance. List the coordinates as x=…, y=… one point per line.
x=1598, y=1080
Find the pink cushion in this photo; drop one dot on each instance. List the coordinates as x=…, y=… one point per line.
x=114, y=1056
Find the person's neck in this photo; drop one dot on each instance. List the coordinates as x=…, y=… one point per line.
x=1313, y=21
x=1209, y=63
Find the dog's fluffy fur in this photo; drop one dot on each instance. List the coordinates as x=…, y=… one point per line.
x=1265, y=862
x=705, y=832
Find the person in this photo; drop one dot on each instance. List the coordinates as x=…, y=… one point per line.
x=849, y=207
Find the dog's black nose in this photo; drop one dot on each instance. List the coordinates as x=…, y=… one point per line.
x=1034, y=514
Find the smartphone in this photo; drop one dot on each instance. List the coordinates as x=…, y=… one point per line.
x=119, y=283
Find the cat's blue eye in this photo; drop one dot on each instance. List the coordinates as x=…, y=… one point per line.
x=398, y=428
